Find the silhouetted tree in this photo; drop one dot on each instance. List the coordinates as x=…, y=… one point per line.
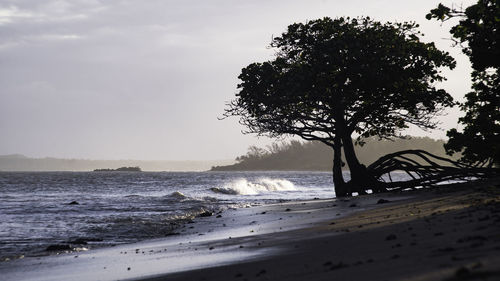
x=478, y=34
x=333, y=78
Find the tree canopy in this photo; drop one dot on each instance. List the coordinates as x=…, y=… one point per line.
x=477, y=32
x=332, y=78
x=378, y=77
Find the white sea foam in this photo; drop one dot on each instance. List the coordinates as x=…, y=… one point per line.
x=263, y=185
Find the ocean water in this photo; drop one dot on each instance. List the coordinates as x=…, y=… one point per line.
x=112, y=208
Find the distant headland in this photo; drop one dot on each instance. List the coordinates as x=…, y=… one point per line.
x=121, y=169
x=316, y=156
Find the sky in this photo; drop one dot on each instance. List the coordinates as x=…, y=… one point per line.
x=123, y=79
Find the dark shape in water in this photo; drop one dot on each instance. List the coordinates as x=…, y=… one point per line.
x=79, y=241
x=73, y=203
x=59, y=247
x=382, y=201
x=206, y=214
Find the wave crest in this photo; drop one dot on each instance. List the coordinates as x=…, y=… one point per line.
x=245, y=187
x=178, y=195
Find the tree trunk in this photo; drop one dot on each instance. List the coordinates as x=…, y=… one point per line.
x=358, y=171
x=360, y=178
x=338, y=179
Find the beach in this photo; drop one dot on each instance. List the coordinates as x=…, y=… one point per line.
x=446, y=233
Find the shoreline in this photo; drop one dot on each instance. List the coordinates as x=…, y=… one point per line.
x=447, y=233
x=415, y=236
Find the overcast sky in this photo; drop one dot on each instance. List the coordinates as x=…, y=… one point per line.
x=121, y=79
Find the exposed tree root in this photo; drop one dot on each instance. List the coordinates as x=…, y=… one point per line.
x=424, y=169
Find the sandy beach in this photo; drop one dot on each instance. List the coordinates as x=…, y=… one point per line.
x=446, y=233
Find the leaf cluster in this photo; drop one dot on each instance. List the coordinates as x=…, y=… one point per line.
x=479, y=142
x=477, y=31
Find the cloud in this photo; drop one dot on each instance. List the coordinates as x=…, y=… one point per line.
x=27, y=25
x=48, y=11
x=12, y=13
x=56, y=37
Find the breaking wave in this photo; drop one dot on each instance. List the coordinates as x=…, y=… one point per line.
x=245, y=187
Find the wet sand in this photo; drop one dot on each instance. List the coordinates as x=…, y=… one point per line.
x=447, y=233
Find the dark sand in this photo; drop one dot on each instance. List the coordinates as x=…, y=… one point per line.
x=448, y=233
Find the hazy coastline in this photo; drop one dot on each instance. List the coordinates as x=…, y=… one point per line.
x=18, y=162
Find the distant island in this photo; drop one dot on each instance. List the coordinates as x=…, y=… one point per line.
x=121, y=169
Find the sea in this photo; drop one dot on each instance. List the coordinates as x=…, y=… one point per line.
x=87, y=210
